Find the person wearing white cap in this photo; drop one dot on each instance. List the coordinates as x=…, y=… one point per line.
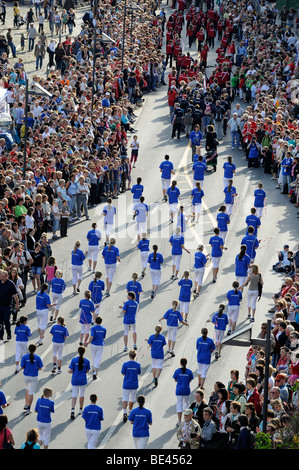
x=189, y=431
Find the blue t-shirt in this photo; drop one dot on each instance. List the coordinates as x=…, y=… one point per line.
x=195, y=137
x=31, y=369
x=93, y=415
x=199, y=169
x=136, y=288
x=234, y=298
x=79, y=377
x=131, y=370
x=96, y=289
x=93, y=237
x=141, y=418
x=78, y=257
x=173, y=317
x=204, y=347
x=173, y=194
x=143, y=245
x=157, y=344
x=222, y=221
x=177, y=242
x=229, y=169
x=42, y=301
x=197, y=196
x=254, y=221
x=229, y=198
x=137, y=191
x=130, y=308
x=216, y=242
x=185, y=290
x=241, y=266
x=110, y=256
x=58, y=285
x=22, y=333
x=220, y=322
x=251, y=242
x=289, y=162
x=44, y=407
x=200, y=260
x=98, y=334
x=155, y=264
x=166, y=168
x=59, y=333
x=183, y=379
x=87, y=307
x=2, y=401
x=259, y=195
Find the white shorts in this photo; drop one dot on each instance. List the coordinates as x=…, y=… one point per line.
x=126, y=328
x=42, y=319
x=157, y=363
x=96, y=354
x=77, y=273
x=92, y=436
x=219, y=336
x=165, y=183
x=173, y=207
x=129, y=395
x=140, y=442
x=57, y=349
x=85, y=328
x=97, y=309
x=108, y=228
x=182, y=403
x=223, y=235
x=229, y=208
x=233, y=312
x=110, y=271
x=176, y=261
x=199, y=274
x=172, y=333
x=30, y=384
x=21, y=349
x=141, y=227
x=78, y=391
x=241, y=279
x=216, y=261
x=184, y=307
x=144, y=258
x=155, y=276
x=93, y=251
x=44, y=432
x=259, y=211
x=225, y=182
x=252, y=296
x=202, y=370
x=58, y=299
x=197, y=208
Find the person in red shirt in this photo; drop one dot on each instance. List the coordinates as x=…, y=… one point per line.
x=200, y=39
x=211, y=36
x=169, y=53
x=204, y=55
x=253, y=396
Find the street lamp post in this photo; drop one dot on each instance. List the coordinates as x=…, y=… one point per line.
x=132, y=7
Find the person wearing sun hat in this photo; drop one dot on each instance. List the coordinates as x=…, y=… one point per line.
x=189, y=431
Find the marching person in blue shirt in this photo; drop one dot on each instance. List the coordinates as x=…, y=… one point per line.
x=137, y=190
x=155, y=260
x=173, y=317
x=223, y=220
x=259, y=200
x=229, y=171
x=177, y=247
x=143, y=247
x=87, y=311
x=199, y=169
x=31, y=364
x=135, y=286
x=130, y=370
x=111, y=256
x=183, y=378
x=220, y=320
x=205, y=346
x=59, y=334
x=230, y=195
x=78, y=258
x=43, y=303
x=196, y=196
x=200, y=261
x=234, y=297
x=242, y=264
x=93, y=237
x=217, y=245
x=79, y=368
x=93, y=416
x=140, y=418
x=97, y=342
x=173, y=193
x=96, y=288
x=251, y=242
x=253, y=220
x=182, y=220
x=185, y=285
x=58, y=287
x=23, y=333
x=157, y=343
x=129, y=310
x=140, y=213
x=44, y=408
x=166, y=169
